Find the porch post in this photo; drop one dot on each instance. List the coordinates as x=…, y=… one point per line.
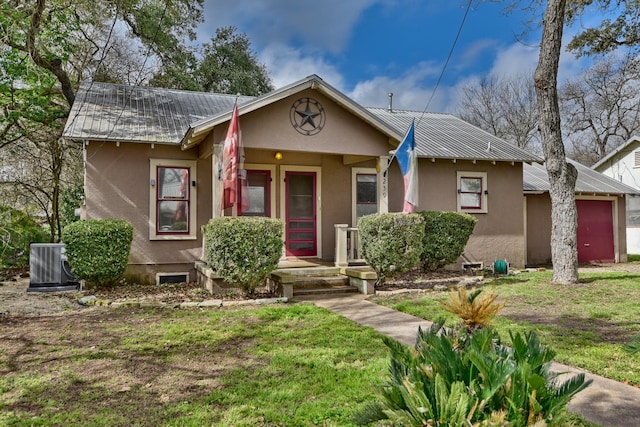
x=216, y=181
x=341, y=245
x=383, y=184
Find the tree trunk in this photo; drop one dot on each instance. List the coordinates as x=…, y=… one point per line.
x=562, y=175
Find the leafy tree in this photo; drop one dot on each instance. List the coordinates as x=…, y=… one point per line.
x=34, y=159
x=17, y=231
x=227, y=65
x=621, y=30
x=48, y=46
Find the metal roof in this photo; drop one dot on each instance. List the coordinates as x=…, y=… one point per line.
x=535, y=179
x=114, y=112
x=444, y=136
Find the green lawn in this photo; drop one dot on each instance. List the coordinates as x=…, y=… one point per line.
x=587, y=324
x=286, y=365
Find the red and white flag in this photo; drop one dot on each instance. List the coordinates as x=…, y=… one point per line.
x=233, y=173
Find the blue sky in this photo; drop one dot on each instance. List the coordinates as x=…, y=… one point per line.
x=367, y=48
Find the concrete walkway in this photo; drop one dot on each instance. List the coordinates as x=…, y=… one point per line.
x=605, y=402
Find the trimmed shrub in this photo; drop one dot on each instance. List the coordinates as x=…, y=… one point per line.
x=391, y=242
x=243, y=250
x=98, y=249
x=445, y=236
x=17, y=231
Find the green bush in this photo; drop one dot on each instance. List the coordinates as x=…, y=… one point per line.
x=98, y=249
x=455, y=377
x=391, y=242
x=17, y=231
x=445, y=236
x=243, y=250
x=72, y=199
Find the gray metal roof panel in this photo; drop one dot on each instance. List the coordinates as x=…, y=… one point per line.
x=535, y=179
x=444, y=136
x=113, y=112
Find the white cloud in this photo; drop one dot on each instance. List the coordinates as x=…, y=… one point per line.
x=515, y=61
x=409, y=90
x=287, y=65
x=326, y=25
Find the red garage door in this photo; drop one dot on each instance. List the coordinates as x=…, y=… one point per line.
x=595, y=231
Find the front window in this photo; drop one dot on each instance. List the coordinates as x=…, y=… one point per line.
x=259, y=197
x=172, y=199
x=472, y=192
x=366, y=194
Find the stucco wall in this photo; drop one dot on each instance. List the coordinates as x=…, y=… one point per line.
x=538, y=229
x=335, y=188
x=499, y=233
x=270, y=128
x=117, y=186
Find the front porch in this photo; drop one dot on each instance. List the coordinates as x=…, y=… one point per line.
x=299, y=277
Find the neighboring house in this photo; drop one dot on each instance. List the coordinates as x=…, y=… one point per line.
x=314, y=158
x=600, y=201
x=623, y=165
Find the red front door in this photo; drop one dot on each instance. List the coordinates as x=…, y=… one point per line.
x=300, y=227
x=595, y=231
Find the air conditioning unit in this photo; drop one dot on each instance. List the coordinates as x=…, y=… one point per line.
x=49, y=270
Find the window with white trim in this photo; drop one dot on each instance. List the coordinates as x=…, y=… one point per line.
x=472, y=192
x=172, y=197
x=364, y=193
x=259, y=193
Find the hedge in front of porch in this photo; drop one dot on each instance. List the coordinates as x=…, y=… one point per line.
x=243, y=250
x=391, y=242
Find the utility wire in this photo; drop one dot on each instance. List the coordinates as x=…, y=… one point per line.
x=444, y=67
x=138, y=80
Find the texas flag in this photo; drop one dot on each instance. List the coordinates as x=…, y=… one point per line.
x=232, y=166
x=407, y=159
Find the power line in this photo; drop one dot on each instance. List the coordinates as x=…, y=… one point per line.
x=444, y=67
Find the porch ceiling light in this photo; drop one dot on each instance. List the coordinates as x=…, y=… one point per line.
x=278, y=156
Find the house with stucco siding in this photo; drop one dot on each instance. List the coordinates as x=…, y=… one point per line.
x=314, y=157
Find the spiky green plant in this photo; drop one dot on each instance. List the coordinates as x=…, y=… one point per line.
x=462, y=377
x=633, y=346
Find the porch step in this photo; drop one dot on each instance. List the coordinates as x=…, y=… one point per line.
x=307, y=282
x=346, y=289
x=312, y=281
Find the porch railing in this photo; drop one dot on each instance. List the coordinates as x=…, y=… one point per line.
x=347, y=246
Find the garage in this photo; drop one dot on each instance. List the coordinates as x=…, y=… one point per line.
x=600, y=202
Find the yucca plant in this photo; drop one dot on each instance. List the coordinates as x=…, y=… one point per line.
x=465, y=376
x=633, y=346
x=476, y=309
